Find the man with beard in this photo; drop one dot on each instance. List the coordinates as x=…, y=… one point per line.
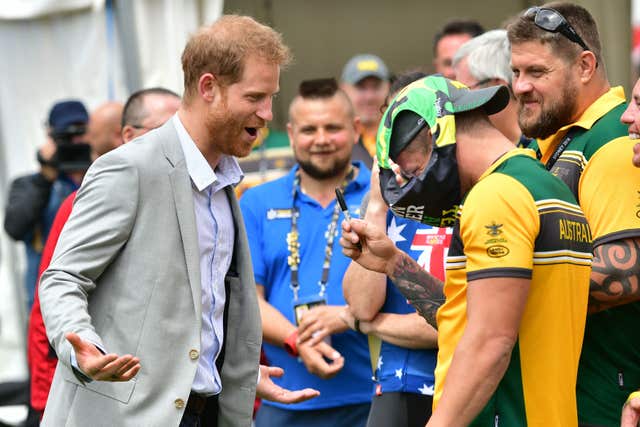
x=292, y=224
x=510, y=329
x=568, y=105
x=148, y=300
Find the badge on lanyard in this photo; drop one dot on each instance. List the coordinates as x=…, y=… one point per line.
x=302, y=305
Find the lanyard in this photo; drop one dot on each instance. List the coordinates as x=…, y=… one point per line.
x=293, y=243
x=559, y=149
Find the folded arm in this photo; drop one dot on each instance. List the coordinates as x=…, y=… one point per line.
x=404, y=330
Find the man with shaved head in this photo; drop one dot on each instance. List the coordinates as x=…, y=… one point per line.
x=104, y=132
x=291, y=224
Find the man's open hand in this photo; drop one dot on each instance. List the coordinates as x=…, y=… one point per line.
x=268, y=390
x=102, y=367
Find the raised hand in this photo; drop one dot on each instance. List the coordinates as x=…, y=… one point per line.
x=102, y=367
x=376, y=251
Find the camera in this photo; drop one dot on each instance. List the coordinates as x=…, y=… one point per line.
x=70, y=156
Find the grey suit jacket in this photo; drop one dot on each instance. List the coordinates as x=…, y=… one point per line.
x=126, y=276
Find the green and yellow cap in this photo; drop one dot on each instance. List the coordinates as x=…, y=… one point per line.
x=432, y=101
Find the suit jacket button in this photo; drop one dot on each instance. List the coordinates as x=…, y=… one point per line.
x=193, y=354
x=179, y=403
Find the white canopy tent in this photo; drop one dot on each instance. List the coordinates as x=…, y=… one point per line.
x=92, y=50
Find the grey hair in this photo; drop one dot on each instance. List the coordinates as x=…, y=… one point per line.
x=488, y=56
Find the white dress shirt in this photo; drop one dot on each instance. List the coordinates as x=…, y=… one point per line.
x=216, y=234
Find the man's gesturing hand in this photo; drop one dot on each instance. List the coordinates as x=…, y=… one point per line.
x=268, y=390
x=102, y=367
x=368, y=245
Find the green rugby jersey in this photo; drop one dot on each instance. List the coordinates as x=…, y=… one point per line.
x=520, y=221
x=596, y=165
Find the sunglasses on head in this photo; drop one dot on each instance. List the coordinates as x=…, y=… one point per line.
x=552, y=21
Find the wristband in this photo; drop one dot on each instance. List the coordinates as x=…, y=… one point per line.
x=356, y=325
x=290, y=345
x=632, y=396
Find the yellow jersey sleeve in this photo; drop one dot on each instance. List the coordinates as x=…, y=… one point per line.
x=609, y=192
x=498, y=226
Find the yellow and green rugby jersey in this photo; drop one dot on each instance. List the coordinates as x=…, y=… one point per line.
x=597, y=166
x=520, y=221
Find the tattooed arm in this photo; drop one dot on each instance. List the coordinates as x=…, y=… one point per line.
x=420, y=288
x=378, y=253
x=615, y=274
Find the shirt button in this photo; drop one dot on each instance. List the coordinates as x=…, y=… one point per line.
x=179, y=403
x=193, y=354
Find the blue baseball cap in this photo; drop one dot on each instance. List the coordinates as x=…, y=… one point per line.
x=66, y=113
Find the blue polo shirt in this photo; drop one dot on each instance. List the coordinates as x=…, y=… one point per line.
x=267, y=212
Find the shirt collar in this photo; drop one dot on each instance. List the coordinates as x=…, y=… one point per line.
x=612, y=98
x=228, y=169
x=506, y=156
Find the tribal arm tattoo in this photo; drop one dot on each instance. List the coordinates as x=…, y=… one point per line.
x=421, y=289
x=615, y=274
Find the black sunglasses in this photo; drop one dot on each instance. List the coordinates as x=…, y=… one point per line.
x=551, y=20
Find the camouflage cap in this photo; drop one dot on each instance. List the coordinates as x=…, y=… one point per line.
x=432, y=101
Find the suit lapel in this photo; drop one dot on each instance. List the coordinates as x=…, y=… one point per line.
x=183, y=199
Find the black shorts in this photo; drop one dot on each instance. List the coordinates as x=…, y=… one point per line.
x=399, y=409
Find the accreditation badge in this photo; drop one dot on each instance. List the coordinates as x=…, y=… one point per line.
x=302, y=305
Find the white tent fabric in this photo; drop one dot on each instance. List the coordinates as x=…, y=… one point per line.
x=92, y=50
x=33, y=9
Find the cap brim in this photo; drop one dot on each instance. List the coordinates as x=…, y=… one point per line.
x=491, y=99
x=364, y=75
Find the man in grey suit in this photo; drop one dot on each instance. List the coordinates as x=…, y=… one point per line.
x=154, y=261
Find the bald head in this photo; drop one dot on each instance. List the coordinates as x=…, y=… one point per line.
x=104, y=128
x=148, y=109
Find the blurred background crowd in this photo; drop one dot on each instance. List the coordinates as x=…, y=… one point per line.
x=70, y=68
